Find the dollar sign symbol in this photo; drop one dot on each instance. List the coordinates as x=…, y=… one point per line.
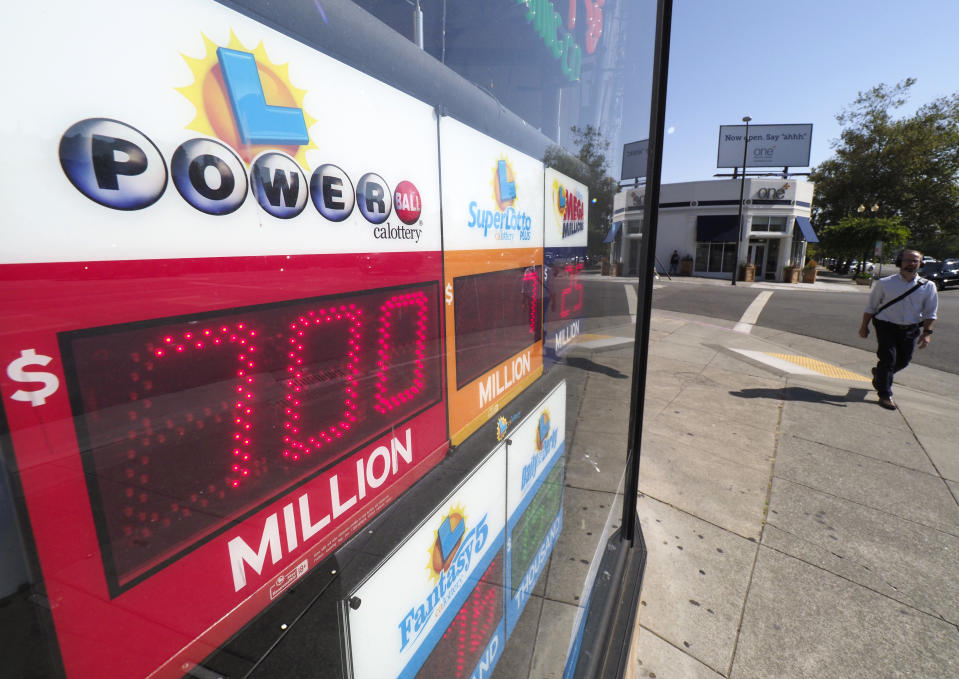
x=15, y=371
x=449, y=293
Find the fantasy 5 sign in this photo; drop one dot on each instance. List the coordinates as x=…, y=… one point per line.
x=548, y=23
x=447, y=618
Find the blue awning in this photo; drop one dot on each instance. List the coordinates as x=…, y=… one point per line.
x=613, y=232
x=806, y=227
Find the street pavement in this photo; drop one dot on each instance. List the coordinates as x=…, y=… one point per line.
x=794, y=528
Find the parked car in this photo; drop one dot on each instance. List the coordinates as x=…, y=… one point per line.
x=941, y=273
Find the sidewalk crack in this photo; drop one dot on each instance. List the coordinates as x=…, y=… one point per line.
x=933, y=613
x=762, y=530
x=869, y=507
x=684, y=651
x=929, y=457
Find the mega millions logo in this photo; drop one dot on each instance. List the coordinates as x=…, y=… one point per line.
x=542, y=430
x=448, y=539
x=568, y=210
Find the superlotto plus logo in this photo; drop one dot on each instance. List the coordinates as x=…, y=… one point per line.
x=506, y=222
x=567, y=210
x=256, y=136
x=455, y=547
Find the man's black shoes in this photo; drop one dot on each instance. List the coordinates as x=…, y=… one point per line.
x=887, y=403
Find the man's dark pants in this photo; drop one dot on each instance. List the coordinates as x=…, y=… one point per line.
x=896, y=344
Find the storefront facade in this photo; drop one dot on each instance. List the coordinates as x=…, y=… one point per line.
x=699, y=220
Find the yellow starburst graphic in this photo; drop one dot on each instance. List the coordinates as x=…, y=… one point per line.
x=559, y=211
x=440, y=560
x=214, y=114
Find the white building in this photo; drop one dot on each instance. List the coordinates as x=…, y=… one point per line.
x=699, y=220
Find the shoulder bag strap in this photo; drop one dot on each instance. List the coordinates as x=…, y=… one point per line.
x=900, y=297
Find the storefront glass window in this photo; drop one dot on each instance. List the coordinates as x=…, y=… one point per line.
x=768, y=223
x=715, y=257
x=796, y=252
x=772, y=258
x=702, y=256
x=729, y=257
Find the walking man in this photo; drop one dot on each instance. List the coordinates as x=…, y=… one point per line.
x=902, y=308
x=674, y=262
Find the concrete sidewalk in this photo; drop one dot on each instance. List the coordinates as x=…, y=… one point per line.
x=794, y=528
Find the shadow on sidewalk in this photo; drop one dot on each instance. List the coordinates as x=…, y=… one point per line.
x=854, y=395
x=593, y=366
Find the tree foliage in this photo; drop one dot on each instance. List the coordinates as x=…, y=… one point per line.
x=855, y=237
x=908, y=167
x=589, y=166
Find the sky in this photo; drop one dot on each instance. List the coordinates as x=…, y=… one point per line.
x=801, y=61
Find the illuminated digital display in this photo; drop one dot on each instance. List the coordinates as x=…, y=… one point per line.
x=496, y=315
x=571, y=294
x=464, y=641
x=186, y=424
x=531, y=528
x=566, y=297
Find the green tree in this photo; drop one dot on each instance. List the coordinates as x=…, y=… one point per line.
x=907, y=167
x=589, y=166
x=857, y=236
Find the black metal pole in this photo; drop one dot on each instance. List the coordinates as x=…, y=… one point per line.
x=742, y=186
x=654, y=171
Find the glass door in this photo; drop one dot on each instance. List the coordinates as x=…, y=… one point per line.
x=757, y=257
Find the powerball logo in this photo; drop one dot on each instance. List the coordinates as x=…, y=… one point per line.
x=506, y=222
x=255, y=136
x=230, y=91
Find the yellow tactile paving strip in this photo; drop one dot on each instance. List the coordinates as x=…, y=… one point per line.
x=822, y=368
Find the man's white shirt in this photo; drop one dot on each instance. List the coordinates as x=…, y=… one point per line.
x=918, y=306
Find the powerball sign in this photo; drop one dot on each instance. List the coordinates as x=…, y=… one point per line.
x=205, y=251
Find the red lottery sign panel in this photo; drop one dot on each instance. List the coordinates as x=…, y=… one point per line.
x=268, y=394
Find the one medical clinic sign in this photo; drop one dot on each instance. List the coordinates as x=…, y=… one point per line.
x=769, y=145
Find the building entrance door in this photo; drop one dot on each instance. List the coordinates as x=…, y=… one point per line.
x=757, y=257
